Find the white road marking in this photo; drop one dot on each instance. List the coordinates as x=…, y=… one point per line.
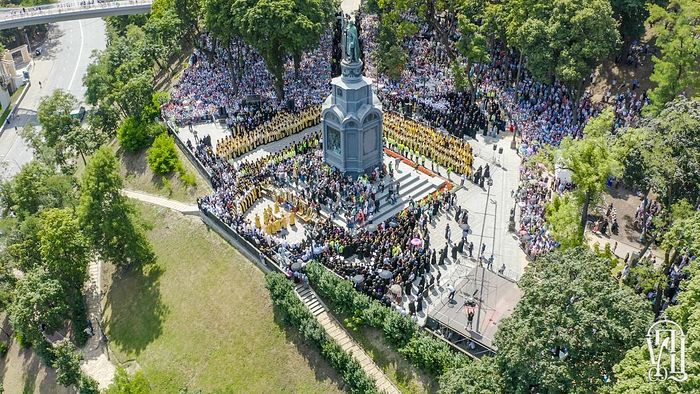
x=80, y=54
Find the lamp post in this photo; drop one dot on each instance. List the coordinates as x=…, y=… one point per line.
x=481, y=238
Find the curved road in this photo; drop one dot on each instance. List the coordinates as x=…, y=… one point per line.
x=62, y=64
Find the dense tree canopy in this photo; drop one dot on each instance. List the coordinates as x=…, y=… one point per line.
x=677, y=69
x=573, y=323
x=39, y=306
x=54, y=113
x=565, y=39
x=664, y=153
x=592, y=160
x=63, y=248
x=107, y=216
x=631, y=372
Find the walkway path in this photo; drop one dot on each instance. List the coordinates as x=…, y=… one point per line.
x=185, y=209
x=335, y=331
x=96, y=362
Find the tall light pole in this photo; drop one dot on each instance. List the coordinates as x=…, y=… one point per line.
x=481, y=238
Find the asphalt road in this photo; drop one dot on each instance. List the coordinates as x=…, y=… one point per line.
x=61, y=65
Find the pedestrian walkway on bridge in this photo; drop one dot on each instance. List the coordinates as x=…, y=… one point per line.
x=85, y=9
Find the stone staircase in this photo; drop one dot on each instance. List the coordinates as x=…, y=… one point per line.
x=336, y=331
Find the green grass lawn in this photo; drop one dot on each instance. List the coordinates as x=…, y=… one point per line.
x=138, y=176
x=200, y=317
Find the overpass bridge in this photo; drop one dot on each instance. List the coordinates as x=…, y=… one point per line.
x=85, y=9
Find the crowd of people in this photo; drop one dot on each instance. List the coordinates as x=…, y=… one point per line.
x=234, y=84
x=243, y=140
x=414, y=139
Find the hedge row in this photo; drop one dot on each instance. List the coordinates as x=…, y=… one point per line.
x=295, y=313
x=420, y=348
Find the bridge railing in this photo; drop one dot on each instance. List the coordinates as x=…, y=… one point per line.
x=8, y=14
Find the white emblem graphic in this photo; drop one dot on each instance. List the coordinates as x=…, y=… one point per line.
x=666, y=336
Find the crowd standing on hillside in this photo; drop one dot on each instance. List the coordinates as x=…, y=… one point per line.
x=214, y=81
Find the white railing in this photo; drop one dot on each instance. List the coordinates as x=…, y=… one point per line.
x=10, y=14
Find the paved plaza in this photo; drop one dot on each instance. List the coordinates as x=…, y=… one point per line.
x=488, y=221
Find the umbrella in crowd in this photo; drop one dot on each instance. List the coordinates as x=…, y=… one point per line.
x=296, y=266
x=385, y=274
x=416, y=242
x=357, y=279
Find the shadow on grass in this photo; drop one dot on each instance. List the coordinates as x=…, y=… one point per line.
x=322, y=369
x=137, y=311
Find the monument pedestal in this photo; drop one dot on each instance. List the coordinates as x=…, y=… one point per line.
x=352, y=122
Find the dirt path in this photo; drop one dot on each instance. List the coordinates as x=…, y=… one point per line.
x=96, y=362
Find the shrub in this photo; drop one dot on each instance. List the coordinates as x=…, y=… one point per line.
x=3, y=349
x=422, y=350
x=188, y=178
x=398, y=330
x=123, y=383
x=67, y=363
x=162, y=155
x=133, y=134
x=432, y=354
x=88, y=385
x=79, y=319
x=295, y=313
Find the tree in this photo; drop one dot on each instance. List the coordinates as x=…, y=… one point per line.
x=43, y=153
x=476, y=377
x=125, y=384
x=310, y=21
x=54, y=114
x=67, y=363
x=472, y=42
x=63, y=248
x=631, y=15
x=658, y=145
x=36, y=187
x=677, y=70
x=565, y=39
x=134, y=95
x=162, y=155
x=164, y=30
x=592, y=160
x=563, y=216
x=24, y=242
x=134, y=135
x=632, y=371
x=104, y=119
x=88, y=385
x=571, y=326
x=39, y=306
x=265, y=26
x=682, y=235
x=85, y=140
x=106, y=215
x=98, y=78
x=220, y=21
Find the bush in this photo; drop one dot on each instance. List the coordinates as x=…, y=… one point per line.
x=123, y=383
x=162, y=155
x=134, y=135
x=3, y=349
x=67, y=363
x=79, y=319
x=432, y=354
x=88, y=385
x=295, y=313
x=187, y=178
x=424, y=351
